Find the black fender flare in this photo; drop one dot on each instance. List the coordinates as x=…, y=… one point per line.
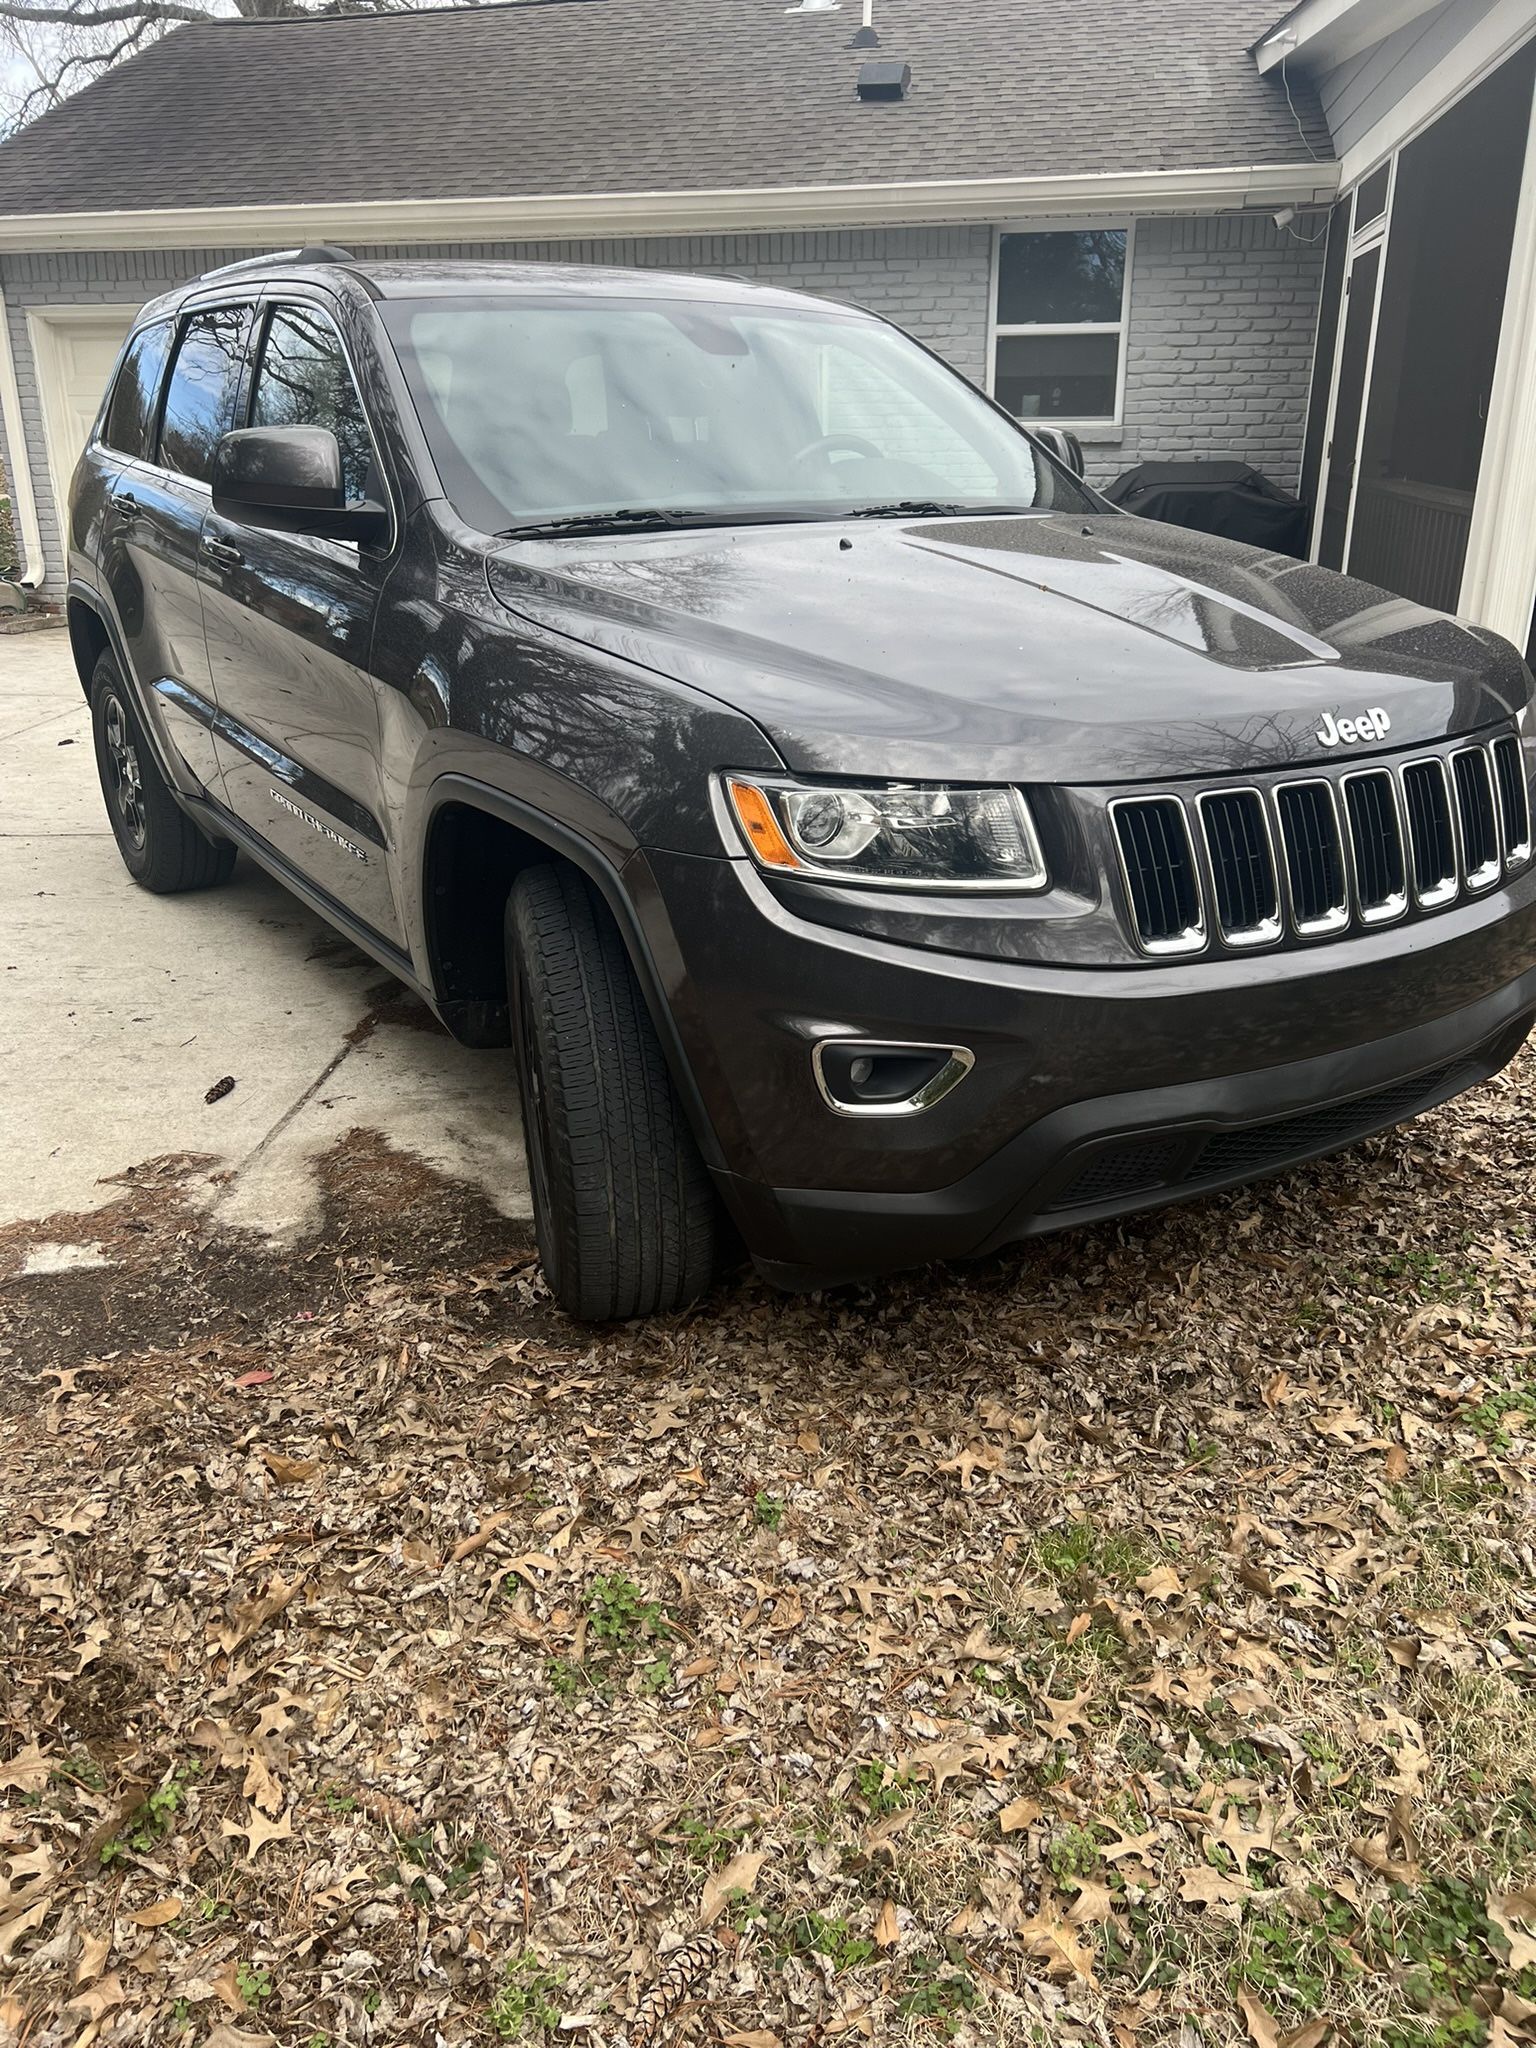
x=608, y=880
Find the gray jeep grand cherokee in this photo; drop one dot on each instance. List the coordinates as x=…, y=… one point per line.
x=872, y=844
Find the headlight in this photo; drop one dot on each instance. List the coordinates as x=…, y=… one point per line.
x=901, y=836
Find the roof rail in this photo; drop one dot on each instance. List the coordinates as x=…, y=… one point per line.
x=316, y=252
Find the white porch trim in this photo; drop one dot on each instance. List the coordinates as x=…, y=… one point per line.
x=18, y=460
x=1498, y=586
x=574, y=216
x=1484, y=47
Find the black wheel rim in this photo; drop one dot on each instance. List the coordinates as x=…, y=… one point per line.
x=123, y=771
x=536, y=1137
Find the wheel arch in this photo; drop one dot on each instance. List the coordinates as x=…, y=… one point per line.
x=90, y=637
x=476, y=840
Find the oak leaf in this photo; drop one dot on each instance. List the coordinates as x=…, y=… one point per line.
x=1018, y=1813
x=887, y=1926
x=1062, y=1715
x=1057, y=1944
x=1262, y=2031
x=260, y=1831
x=1507, y=1911
x=1200, y=1885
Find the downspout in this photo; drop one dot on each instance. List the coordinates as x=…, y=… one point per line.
x=18, y=468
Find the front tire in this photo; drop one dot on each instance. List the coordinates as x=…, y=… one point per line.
x=161, y=847
x=624, y=1211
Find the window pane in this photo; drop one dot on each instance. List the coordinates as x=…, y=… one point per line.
x=1058, y=376
x=304, y=381
x=131, y=411
x=201, y=398
x=1058, y=279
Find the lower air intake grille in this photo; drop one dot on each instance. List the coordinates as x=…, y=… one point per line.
x=1159, y=866
x=1171, y=1163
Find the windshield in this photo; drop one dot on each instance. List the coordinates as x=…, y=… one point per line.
x=543, y=412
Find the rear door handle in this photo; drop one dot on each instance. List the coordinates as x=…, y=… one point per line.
x=128, y=507
x=222, y=552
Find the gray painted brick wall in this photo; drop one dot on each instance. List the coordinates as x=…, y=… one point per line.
x=1223, y=319
x=1220, y=338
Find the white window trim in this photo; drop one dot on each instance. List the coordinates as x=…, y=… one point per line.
x=1101, y=427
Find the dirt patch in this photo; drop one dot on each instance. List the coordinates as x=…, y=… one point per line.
x=168, y=1280
x=1129, y=1640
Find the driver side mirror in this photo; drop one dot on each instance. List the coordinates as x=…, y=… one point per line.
x=1064, y=445
x=289, y=480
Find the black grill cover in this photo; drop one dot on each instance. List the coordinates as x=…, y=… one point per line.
x=1227, y=498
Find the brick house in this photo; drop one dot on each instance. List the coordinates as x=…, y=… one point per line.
x=1146, y=219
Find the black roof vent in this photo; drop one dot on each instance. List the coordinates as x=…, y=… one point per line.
x=884, y=81
x=864, y=39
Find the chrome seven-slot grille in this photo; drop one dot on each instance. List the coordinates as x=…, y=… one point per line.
x=1318, y=855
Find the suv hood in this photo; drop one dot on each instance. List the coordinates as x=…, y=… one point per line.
x=1043, y=648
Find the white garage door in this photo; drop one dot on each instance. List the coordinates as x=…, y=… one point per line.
x=74, y=348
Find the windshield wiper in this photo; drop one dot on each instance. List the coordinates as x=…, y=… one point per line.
x=650, y=519
x=930, y=508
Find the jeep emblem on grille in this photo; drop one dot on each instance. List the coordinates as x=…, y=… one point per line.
x=1345, y=732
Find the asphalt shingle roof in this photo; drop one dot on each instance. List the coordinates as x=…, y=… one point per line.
x=582, y=96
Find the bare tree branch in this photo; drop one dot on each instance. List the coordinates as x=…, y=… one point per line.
x=56, y=46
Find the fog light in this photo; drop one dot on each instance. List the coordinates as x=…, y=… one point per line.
x=863, y=1077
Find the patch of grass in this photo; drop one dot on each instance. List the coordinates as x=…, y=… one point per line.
x=254, y=1984
x=621, y=1623
x=619, y=1617
x=1438, y=1940
x=1072, y=1852
x=882, y=1788
x=1295, y=1961
x=700, y=1841
x=937, y=1990
x=1503, y=1415
x=148, y=1825
x=525, y=1998
x=808, y=1933
x=1115, y=1555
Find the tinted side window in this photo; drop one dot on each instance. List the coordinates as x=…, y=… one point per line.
x=200, y=401
x=131, y=412
x=304, y=381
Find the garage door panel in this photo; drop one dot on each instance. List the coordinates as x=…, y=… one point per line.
x=74, y=348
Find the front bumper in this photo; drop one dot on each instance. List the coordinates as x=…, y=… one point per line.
x=1094, y=1093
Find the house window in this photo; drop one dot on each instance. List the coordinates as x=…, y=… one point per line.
x=1060, y=336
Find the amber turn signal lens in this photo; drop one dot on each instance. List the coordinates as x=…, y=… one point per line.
x=754, y=814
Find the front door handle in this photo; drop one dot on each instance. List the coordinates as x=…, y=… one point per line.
x=128, y=506
x=221, y=551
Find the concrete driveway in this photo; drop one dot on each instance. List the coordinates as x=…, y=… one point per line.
x=120, y=1010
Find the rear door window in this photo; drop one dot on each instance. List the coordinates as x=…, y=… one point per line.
x=304, y=380
x=205, y=380
x=130, y=420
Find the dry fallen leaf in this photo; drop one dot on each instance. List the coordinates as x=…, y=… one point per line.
x=1057, y=1943
x=1261, y=2028
x=1018, y=1813
x=158, y=1915
x=887, y=1926
x=1514, y=1914
x=1200, y=1885
x=1374, y=1855
x=259, y=1831
x=739, y=1875
x=1161, y=1583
